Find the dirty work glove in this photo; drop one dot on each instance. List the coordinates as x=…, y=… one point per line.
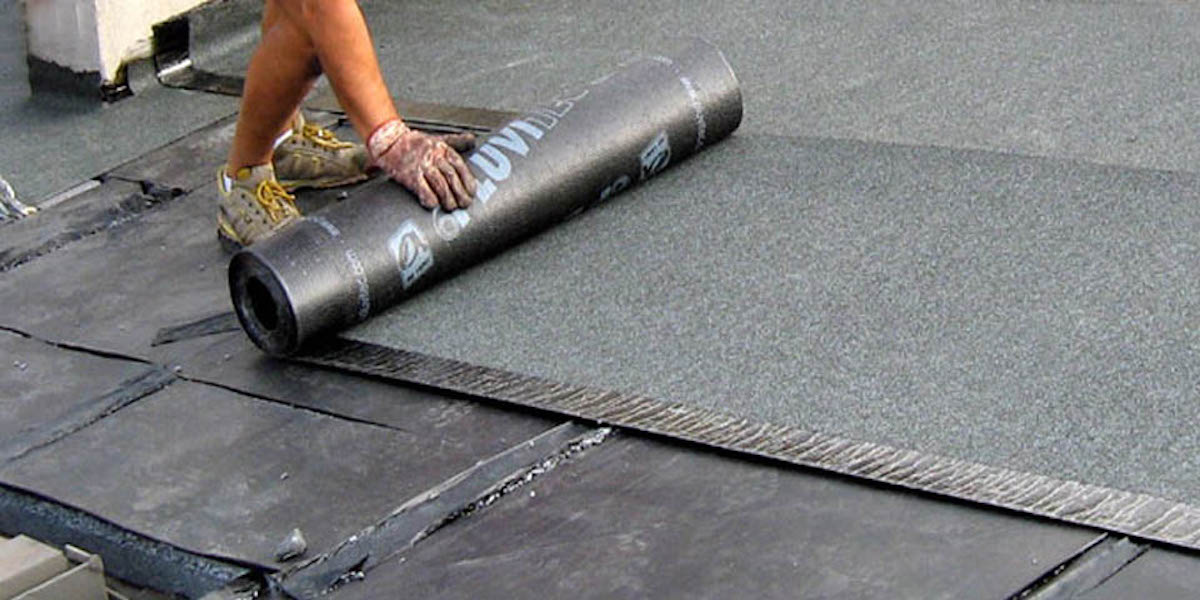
x=427, y=165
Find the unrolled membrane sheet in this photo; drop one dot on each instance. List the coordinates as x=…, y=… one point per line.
x=1029, y=315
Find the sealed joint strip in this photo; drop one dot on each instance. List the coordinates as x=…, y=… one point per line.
x=88, y=413
x=99, y=213
x=426, y=513
x=1137, y=515
x=1089, y=569
x=211, y=325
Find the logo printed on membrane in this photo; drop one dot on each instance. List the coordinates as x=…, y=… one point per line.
x=411, y=252
x=655, y=156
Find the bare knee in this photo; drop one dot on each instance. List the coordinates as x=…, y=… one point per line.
x=288, y=33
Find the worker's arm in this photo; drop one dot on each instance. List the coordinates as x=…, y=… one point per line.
x=425, y=164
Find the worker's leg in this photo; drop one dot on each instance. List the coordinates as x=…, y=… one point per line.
x=271, y=16
x=340, y=41
x=282, y=71
x=301, y=39
x=338, y=35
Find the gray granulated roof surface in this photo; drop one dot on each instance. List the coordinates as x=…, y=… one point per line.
x=1031, y=314
x=966, y=230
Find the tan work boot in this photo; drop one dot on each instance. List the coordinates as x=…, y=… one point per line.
x=251, y=206
x=312, y=157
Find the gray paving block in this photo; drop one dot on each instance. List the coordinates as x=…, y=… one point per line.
x=640, y=519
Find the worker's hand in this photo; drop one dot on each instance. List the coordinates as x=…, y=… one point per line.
x=427, y=165
x=461, y=142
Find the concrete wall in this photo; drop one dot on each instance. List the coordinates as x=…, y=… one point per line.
x=96, y=36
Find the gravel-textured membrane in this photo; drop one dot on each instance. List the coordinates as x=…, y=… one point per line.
x=1110, y=82
x=1031, y=313
x=1027, y=313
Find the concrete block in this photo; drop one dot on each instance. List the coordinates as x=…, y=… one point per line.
x=83, y=582
x=25, y=563
x=96, y=36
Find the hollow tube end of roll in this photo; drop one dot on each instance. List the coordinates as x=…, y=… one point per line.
x=262, y=305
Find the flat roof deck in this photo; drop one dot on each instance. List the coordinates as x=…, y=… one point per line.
x=964, y=231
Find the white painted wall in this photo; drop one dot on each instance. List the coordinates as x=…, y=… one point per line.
x=96, y=35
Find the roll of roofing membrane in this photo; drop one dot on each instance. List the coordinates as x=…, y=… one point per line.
x=339, y=266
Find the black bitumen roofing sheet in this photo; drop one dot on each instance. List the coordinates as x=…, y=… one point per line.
x=634, y=518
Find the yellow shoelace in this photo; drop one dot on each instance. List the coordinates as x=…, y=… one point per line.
x=275, y=200
x=322, y=137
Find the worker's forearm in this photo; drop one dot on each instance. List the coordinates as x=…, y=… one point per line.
x=337, y=34
x=344, y=48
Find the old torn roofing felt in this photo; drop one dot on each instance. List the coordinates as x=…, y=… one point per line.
x=949, y=249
